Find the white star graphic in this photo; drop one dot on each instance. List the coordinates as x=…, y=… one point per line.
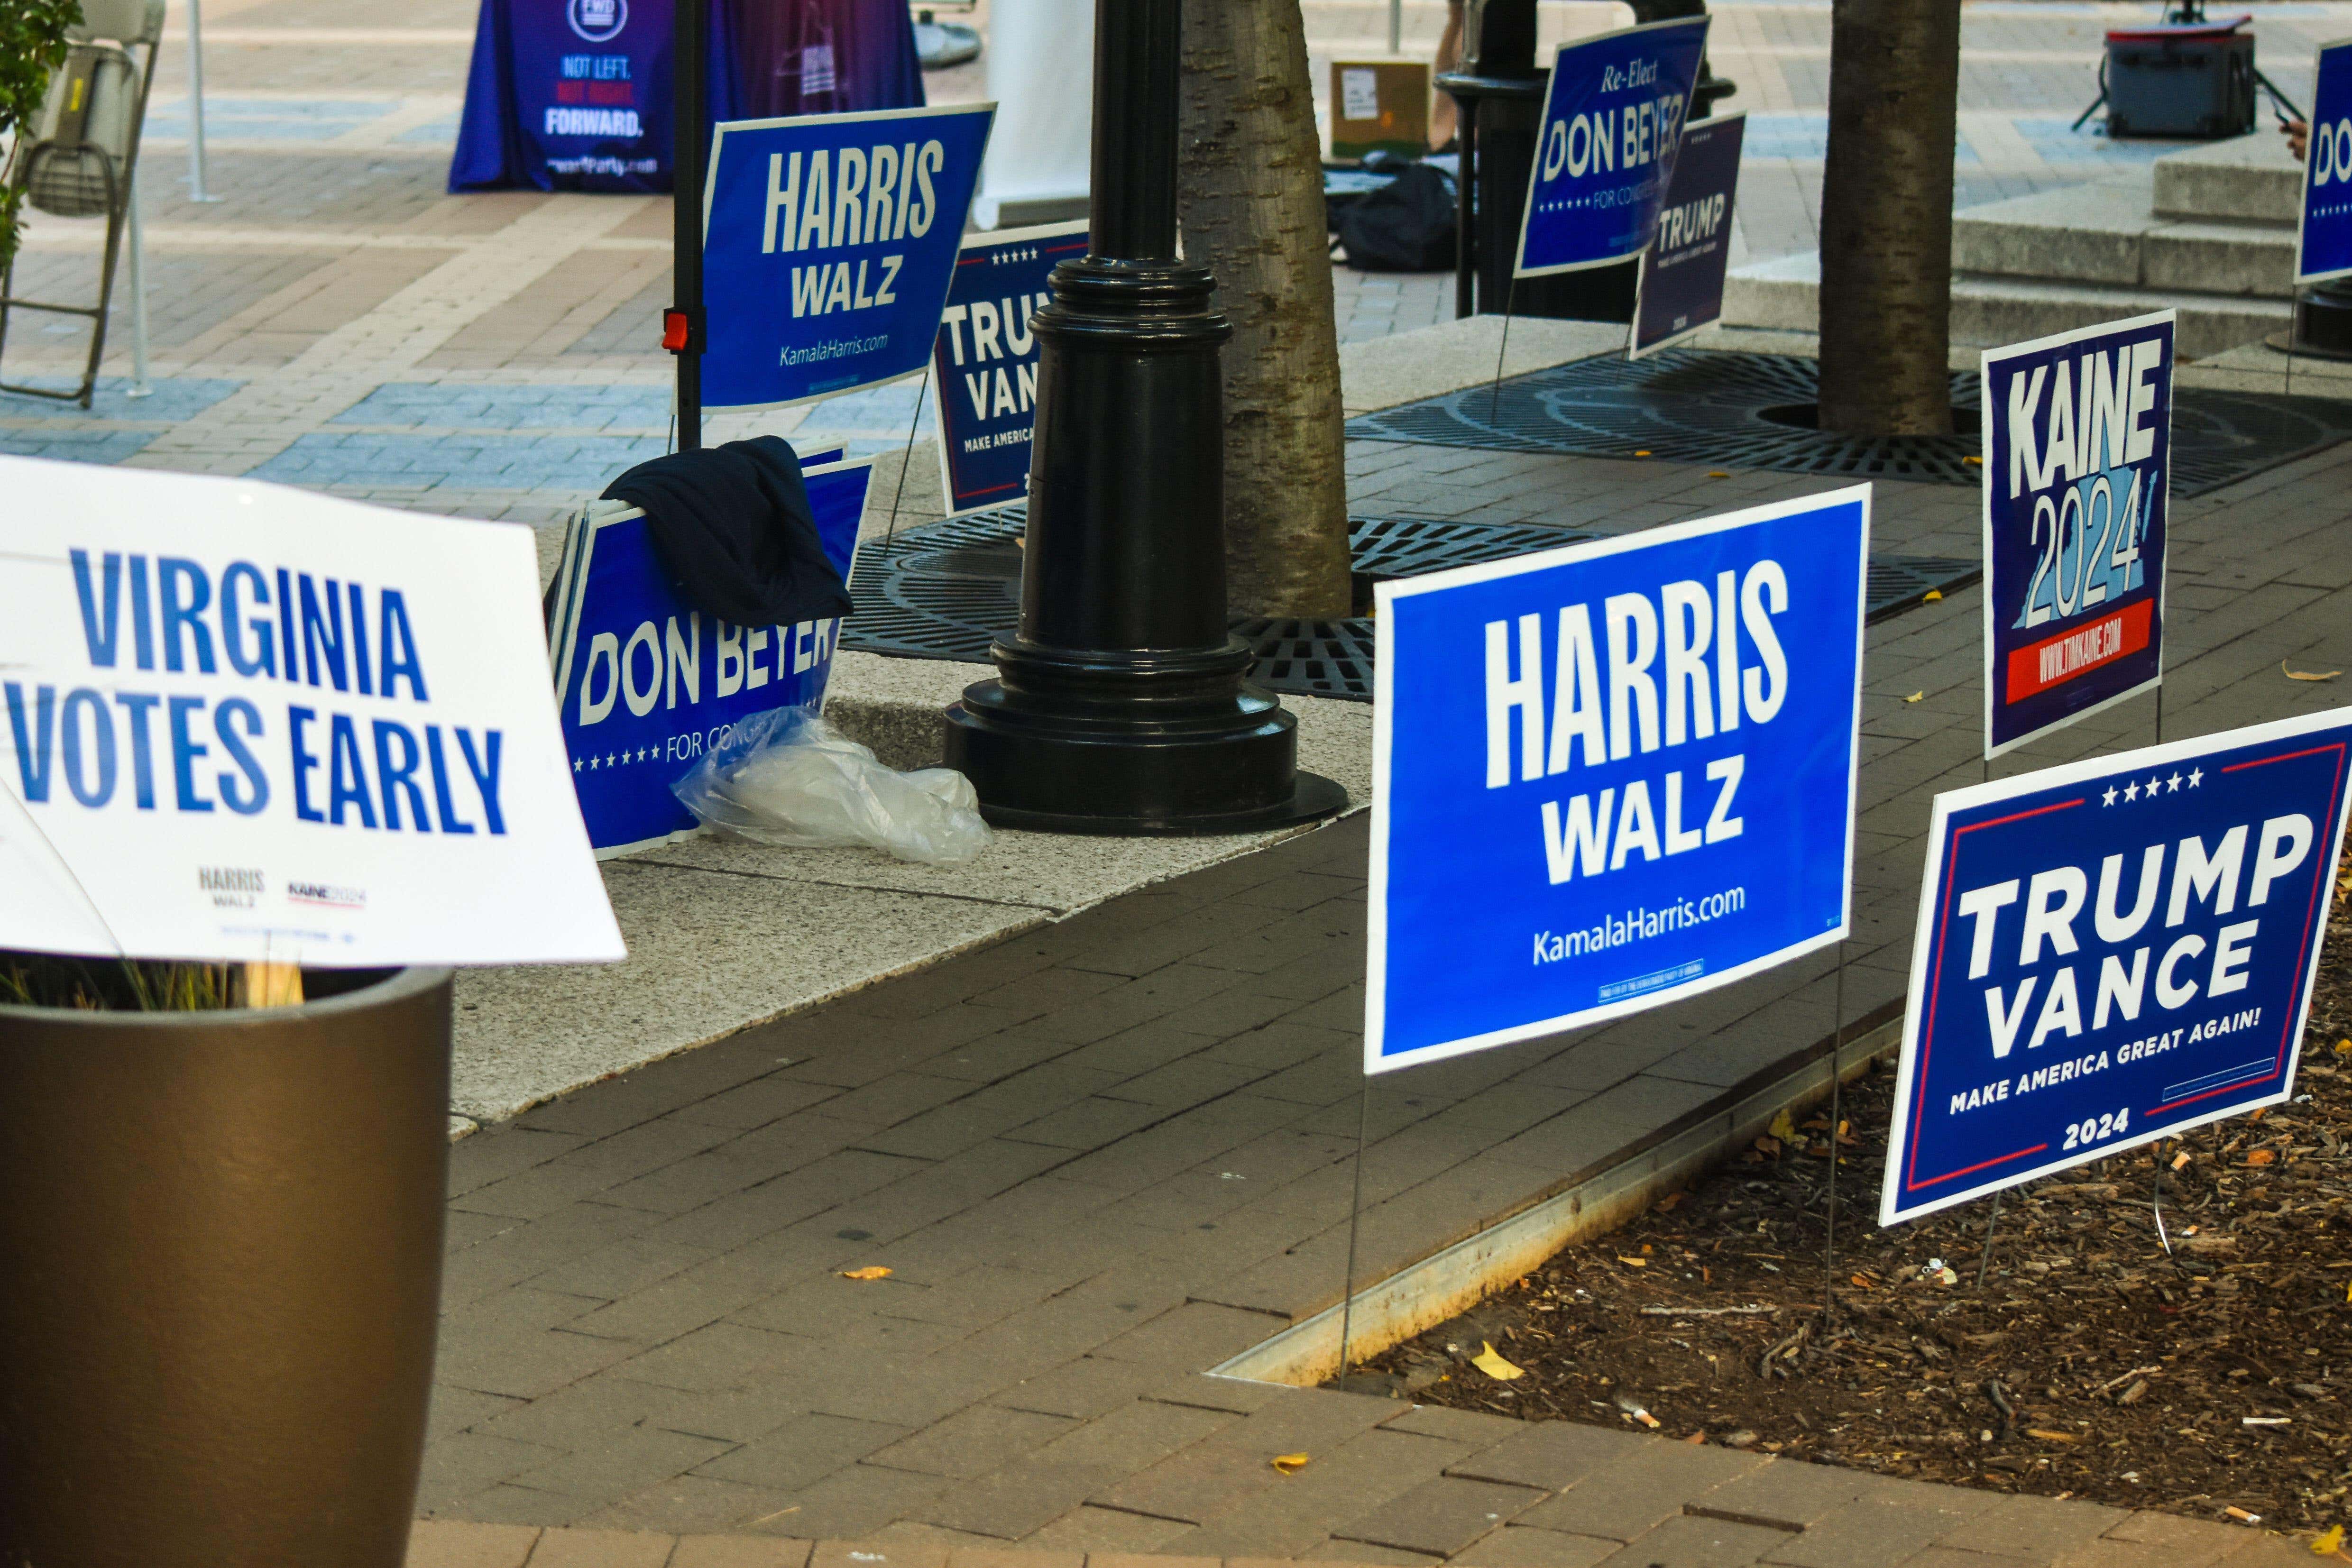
x=642, y=753
x=2109, y=798
x=2131, y=791
x=2194, y=775
x=575, y=765
x=2152, y=784
x=593, y=765
x=2172, y=785
x=608, y=759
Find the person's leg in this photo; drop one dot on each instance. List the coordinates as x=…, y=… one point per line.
x=1444, y=121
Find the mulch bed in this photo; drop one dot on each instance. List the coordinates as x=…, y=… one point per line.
x=2090, y=1365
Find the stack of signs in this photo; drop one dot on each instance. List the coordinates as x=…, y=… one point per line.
x=1612, y=118
x=2077, y=471
x=1610, y=776
x=827, y=245
x=646, y=684
x=253, y=723
x=985, y=362
x=2111, y=952
x=2323, y=247
x=1679, y=291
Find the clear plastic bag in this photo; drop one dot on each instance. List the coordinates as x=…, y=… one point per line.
x=787, y=778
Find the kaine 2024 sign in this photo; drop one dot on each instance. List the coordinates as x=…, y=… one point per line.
x=985, y=362
x=648, y=685
x=2111, y=952
x=1612, y=118
x=247, y=723
x=1679, y=291
x=1610, y=776
x=2323, y=247
x=2078, y=472
x=827, y=245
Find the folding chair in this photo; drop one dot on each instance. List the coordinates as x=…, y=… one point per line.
x=78, y=158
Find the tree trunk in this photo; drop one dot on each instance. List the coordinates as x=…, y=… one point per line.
x=1250, y=194
x=1886, y=218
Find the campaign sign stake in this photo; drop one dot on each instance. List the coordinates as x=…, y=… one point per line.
x=2323, y=241
x=1612, y=117
x=2077, y=477
x=247, y=723
x=1678, y=291
x=1611, y=776
x=828, y=240
x=2113, y=952
x=648, y=685
x=985, y=360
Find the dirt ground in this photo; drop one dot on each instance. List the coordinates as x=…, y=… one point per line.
x=2092, y=1362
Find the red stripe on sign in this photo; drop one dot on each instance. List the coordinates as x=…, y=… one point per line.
x=2038, y=666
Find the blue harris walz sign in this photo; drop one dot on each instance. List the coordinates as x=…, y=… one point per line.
x=827, y=245
x=2077, y=474
x=645, y=685
x=1610, y=776
x=2111, y=952
x=2323, y=247
x=1612, y=118
x=985, y=360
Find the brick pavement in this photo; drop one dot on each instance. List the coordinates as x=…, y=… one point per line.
x=1106, y=1156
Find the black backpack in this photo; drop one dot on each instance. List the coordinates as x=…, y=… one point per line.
x=1405, y=226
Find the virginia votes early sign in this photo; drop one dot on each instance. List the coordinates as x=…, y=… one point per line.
x=2113, y=951
x=2077, y=474
x=249, y=722
x=1613, y=119
x=1612, y=775
x=827, y=244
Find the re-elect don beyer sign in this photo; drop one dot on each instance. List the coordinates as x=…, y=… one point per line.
x=1611, y=775
x=2113, y=951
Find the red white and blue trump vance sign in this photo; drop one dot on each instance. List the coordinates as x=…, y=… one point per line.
x=2077, y=474
x=2111, y=952
x=1611, y=776
x=985, y=360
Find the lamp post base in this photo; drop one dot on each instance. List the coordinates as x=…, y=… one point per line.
x=1155, y=745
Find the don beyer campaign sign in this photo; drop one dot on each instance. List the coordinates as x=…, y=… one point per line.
x=2113, y=951
x=2077, y=471
x=249, y=723
x=1612, y=775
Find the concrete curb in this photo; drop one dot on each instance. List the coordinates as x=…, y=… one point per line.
x=1450, y=1282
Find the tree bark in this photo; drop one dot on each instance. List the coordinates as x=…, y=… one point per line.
x=1886, y=218
x=1250, y=196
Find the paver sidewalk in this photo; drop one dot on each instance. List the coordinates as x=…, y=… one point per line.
x=1782, y=1514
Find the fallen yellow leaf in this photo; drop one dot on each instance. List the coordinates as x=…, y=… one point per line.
x=1290, y=1463
x=2050, y=1436
x=1783, y=1128
x=2329, y=1544
x=874, y=1272
x=1633, y=1262
x=1493, y=1365
x=1979, y=462
x=1932, y=595
x=2309, y=674
x=2261, y=1156
x=1718, y=474
x=1914, y=696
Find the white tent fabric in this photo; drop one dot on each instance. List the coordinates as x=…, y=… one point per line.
x=1040, y=69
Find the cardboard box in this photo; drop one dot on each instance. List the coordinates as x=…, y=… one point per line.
x=1378, y=106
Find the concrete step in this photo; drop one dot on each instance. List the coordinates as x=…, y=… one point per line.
x=2244, y=177
x=1785, y=295
x=2109, y=233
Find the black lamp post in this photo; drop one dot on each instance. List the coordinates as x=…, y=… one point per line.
x=1120, y=706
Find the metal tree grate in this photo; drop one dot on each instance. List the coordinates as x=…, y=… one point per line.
x=1753, y=410
x=946, y=589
